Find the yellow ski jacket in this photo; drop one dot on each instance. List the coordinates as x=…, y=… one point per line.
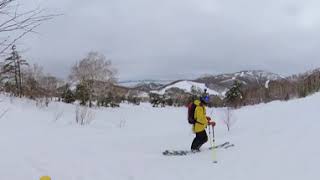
x=200, y=117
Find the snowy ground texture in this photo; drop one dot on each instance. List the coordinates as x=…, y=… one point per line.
x=275, y=141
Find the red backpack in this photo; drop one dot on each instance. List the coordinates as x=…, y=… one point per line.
x=191, y=110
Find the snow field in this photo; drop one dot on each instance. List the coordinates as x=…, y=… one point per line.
x=273, y=141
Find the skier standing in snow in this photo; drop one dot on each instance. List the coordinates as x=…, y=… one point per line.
x=201, y=122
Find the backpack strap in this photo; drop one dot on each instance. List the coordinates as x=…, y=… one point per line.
x=199, y=123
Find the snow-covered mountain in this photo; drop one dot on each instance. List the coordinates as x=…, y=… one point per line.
x=220, y=84
x=215, y=84
x=186, y=86
x=223, y=82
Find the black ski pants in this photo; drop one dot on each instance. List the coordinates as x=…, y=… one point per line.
x=199, y=140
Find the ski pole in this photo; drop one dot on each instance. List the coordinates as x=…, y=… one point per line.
x=211, y=145
x=214, y=154
x=213, y=133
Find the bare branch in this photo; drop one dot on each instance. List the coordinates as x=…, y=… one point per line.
x=4, y=113
x=14, y=22
x=19, y=37
x=5, y=3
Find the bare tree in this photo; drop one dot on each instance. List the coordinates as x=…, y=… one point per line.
x=50, y=84
x=94, y=68
x=15, y=24
x=229, y=118
x=84, y=115
x=57, y=115
x=34, y=71
x=3, y=113
x=32, y=76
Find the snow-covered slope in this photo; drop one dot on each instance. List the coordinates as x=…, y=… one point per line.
x=257, y=75
x=223, y=82
x=273, y=141
x=187, y=86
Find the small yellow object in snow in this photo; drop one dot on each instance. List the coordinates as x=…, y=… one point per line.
x=45, y=178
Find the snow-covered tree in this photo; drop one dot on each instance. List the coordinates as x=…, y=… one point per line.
x=92, y=69
x=196, y=91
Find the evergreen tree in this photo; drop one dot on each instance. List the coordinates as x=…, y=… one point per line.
x=156, y=100
x=13, y=66
x=82, y=93
x=134, y=100
x=67, y=95
x=234, y=94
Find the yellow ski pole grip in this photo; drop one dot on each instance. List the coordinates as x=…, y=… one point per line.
x=45, y=178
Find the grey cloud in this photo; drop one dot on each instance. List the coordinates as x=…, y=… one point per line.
x=180, y=38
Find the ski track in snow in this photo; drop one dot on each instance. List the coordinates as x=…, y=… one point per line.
x=273, y=141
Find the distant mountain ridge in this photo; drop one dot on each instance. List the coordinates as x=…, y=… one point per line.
x=224, y=82
x=217, y=83
x=136, y=83
x=257, y=86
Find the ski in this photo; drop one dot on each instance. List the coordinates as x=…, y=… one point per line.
x=220, y=146
x=228, y=146
x=187, y=152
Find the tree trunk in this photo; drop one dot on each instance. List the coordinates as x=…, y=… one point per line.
x=16, y=77
x=20, y=78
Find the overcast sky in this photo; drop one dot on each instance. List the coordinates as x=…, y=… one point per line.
x=170, y=39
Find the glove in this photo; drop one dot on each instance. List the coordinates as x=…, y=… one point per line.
x=212, y=123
